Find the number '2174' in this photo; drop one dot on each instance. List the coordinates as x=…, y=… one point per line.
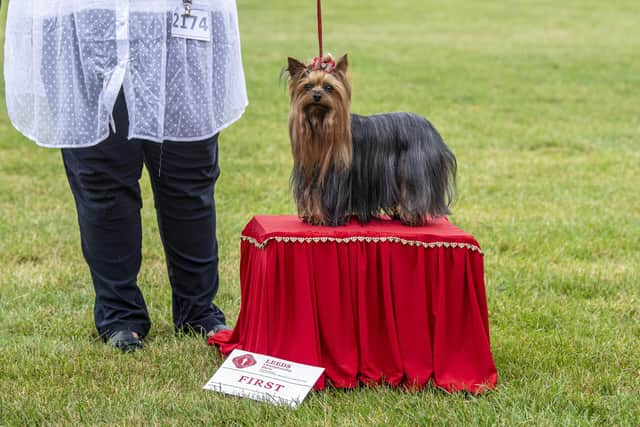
x=189, y=22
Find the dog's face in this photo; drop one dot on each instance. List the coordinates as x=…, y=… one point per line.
x=319, y=120
x=317, y=93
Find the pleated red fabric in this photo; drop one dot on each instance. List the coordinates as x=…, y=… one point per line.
x=371, y=303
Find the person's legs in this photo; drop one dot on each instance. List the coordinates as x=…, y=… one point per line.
x=104, y=181
x=183, y=177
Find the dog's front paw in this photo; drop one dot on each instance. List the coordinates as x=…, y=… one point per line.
x=314, y=220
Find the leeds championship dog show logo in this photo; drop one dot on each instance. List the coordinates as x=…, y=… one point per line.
x=244, y=361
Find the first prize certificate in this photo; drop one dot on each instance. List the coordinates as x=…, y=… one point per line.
x=264, y=378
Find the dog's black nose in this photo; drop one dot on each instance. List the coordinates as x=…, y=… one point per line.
x=317, y=96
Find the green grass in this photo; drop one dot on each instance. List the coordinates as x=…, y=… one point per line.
x=540, y=101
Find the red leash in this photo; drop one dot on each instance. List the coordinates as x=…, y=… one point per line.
x=320, y=63
x=320, y=27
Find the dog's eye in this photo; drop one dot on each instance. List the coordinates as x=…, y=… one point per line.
x=308, y=86
x=328, y=88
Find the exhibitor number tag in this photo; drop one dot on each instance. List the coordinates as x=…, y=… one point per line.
x=194, y=26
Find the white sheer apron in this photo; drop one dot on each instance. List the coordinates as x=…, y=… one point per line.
x=67, y=60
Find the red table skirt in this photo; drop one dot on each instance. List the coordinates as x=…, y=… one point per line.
x=370, y=303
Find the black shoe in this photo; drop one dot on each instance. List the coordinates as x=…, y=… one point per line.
x=125, y=340
x=219, y=327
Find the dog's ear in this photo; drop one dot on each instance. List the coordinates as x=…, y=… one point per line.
x=342, y=64
x=295, y=68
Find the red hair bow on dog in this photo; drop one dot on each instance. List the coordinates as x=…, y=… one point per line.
x=326, y=64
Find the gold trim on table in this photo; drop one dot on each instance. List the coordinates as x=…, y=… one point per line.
x=367, y=239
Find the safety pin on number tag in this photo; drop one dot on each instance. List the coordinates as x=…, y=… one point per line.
x=187, y=6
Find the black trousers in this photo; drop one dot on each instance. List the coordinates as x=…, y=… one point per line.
x=104, y=180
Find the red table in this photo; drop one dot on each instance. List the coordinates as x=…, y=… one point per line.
x=371, y=303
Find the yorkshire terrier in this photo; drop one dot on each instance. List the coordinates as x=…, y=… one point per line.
x=345, y=164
